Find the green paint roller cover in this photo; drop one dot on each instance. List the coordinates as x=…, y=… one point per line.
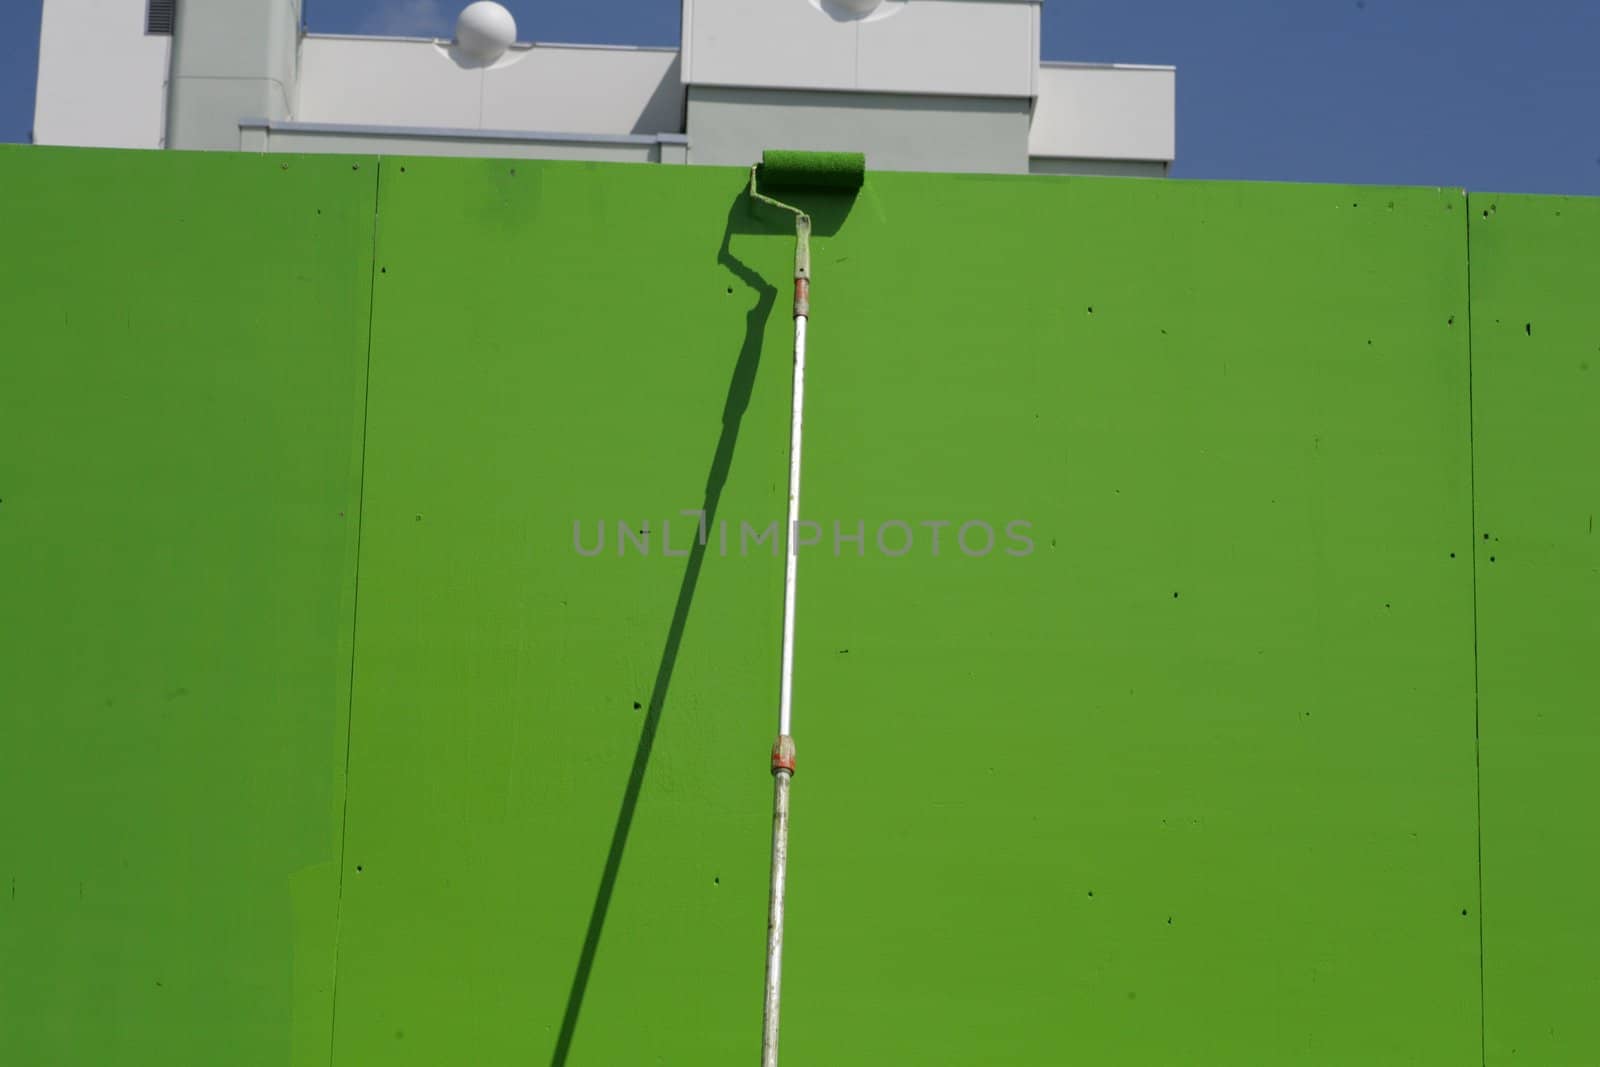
x=813, y=170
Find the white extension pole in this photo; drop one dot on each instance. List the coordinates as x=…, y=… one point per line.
x=783, y=750
x=796, y=418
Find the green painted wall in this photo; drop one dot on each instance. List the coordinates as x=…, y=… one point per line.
x=180, y=433
x=1195, y=780
x=550, y=346
x=1233, y=687
x=1536, y=389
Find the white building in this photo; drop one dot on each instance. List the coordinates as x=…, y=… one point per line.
x=943, y=85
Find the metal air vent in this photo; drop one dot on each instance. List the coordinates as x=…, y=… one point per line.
x=159, y=16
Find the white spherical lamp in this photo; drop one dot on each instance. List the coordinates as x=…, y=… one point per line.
x=861, y=8
x=485, y=30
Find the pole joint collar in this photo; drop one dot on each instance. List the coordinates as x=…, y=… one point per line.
x=783, y=755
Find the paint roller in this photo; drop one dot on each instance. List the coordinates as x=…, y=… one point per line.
x=826, y=172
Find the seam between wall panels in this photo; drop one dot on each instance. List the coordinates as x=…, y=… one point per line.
x=355, y=609
x=1477, y=708
x=855, y=60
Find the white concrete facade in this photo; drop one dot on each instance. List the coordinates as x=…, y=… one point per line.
x=1104, y=112
x=942, y=47
x=102, y=79
x=557, y=88
x=231, y=59
x=947, y=85
x=896, y=131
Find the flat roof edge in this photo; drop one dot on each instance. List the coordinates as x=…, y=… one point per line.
x=1075, y=65
x=919, y=94
x=520, y=46
x=1101, y=159
x=445, y=133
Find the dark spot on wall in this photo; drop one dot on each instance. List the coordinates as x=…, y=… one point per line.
x=1528, y=328
x=359, y=868
x=637, y=706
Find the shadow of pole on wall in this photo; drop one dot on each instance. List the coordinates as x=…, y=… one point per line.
x=744, y=375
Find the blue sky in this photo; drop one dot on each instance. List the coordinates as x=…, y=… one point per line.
x=1488, y=95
